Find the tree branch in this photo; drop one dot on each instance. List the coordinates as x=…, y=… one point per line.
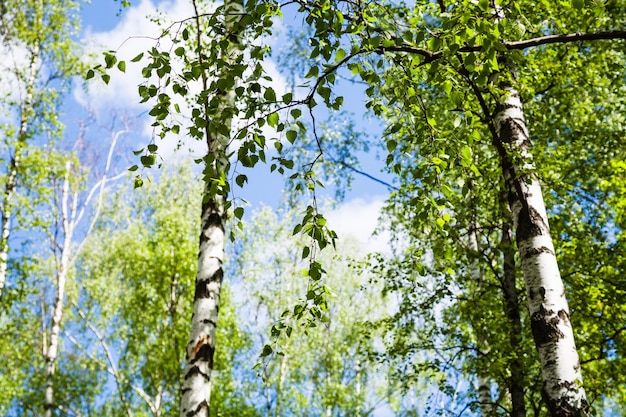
x=515, y=45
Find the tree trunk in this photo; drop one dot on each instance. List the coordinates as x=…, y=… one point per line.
x=281, y=384
x=552, y=331
x=201, y=347
x=196, y=388
x=483, y=382
x=26, y=109
x=511, y=299
x=61, y=278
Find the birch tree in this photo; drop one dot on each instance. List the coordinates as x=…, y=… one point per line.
x=196, y=388
x=216, y=72
x=73, y=209
x=459, y=48
x=41, y=58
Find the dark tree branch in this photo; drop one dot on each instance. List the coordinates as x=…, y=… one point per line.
x=515, y=45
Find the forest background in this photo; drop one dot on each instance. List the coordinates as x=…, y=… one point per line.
x=408, y=111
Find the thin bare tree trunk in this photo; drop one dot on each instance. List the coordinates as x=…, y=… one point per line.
x=550, y=320
x=511, y=299
x=484, y=382
x=61, y=279
x=281, y=383
x=71, y=216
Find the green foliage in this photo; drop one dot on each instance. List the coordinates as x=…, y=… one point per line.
x=138, y=272
x=434, y=72
x=328, y=369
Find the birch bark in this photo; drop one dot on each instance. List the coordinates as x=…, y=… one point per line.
x=196, y=387
x=61, y=279
x=26, y=109
x=552, y=331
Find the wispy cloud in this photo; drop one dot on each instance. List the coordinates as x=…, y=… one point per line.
x=358, y=219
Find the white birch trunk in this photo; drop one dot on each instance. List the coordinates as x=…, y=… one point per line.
x=196, y=386
x=196, y=389
x=71, y=216
x=26, y=109
x=61, y=275
x=281, y=384
x=549, y=312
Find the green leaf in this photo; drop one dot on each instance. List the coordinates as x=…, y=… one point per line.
x=109, y=59
x=148, y=160
x=270, y=95
x=340, y=54
x=267, y=350
x=241, y=179
x=239, y=212
x=291, y=135
x=296, y=113
x=466, y=153
x=137, y=58
x=272, y=119
x=121, y=66
x=313, y=72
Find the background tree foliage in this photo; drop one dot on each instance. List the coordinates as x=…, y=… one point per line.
x=440, y=325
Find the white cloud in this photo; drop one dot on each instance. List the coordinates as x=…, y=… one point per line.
x=358, y=219
x=15, y=56
x=135, y=33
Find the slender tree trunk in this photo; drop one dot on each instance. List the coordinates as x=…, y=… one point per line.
x=552, y=331
x=61, y=275
x=511, y=299
x=484, y=382
x=26, y=110
x=281, y=384
x=196, y=388
x=358, y=389
x=483, y=386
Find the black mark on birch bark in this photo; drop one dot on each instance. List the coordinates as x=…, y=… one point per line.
x=563, y=406
x=530, y=224
x=212, y=221
x=202, y=409
x=544, y=326
x=537, y=251
x=202, y=287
